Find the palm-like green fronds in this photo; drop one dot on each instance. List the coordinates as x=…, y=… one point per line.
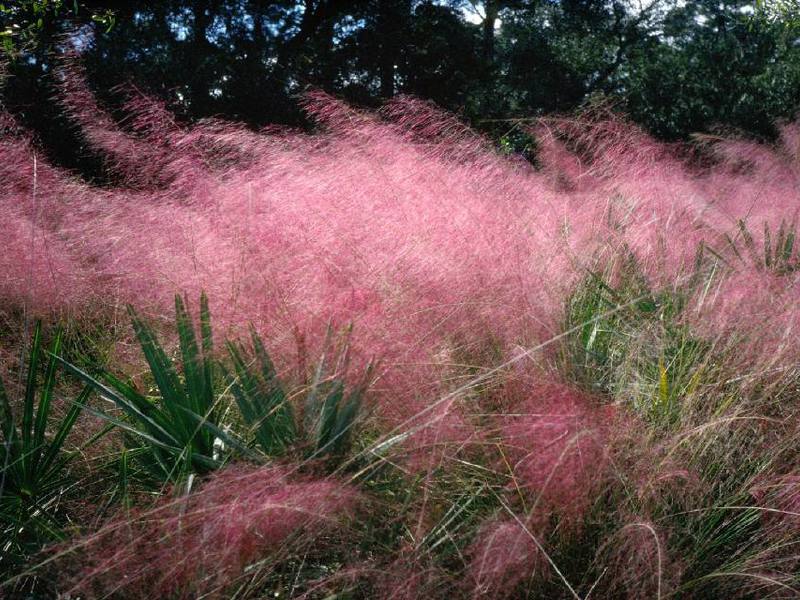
x=181, y=429
x=330, y=408
x=260, y=395
x=34, y=464
x=331, y=411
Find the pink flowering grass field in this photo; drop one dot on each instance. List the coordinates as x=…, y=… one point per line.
x=382, y=359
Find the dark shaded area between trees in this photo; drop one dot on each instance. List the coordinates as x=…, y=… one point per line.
x=674, y=67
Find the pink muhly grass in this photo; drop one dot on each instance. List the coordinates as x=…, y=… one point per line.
x=780, y=499
x=202, y=543
x=140, y=161
x=759, y=348
x=37, y=264
x=503, y=556
x=556, y=443
x=37, y=269
x=453, y=264
x=637, y=564
x=566, y=170
x=404, y=223
x=410, y=577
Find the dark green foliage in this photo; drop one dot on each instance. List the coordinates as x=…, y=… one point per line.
x=23, y=20
x=34, y=475
x=722, y=533
x=181, y=430
x=676, y=69
x=262, y=401
x=626, y=341
x=722, y=67
x=177, y=430
x=330, y=408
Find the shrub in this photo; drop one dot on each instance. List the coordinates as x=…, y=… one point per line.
x=183, y=432
x=329, y=412
x=631, y=343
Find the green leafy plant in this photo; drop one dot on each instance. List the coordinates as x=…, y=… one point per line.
x=787, y=11
x=779, y=253
x=330, y=410
x=260, y=396
x=35, y=474
x=179, y=431
x=626, y=341
x=22, y=21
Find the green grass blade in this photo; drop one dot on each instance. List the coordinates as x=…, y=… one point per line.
x=30, y=396
x=207, y=342
x=328, y=413
x=195, y=371
x=788, y=246
x=345, y=421
x=8, y=427
x=43, y=411
x=261, y=399
x=130, y=403
x=8, y=451
x=67, y=423
x=163, y=372
x=268, y=371
x=768, y=248
x=190, y=353
x=272, y=408
x=225, y=437
x=131, y=429
x=349, y=412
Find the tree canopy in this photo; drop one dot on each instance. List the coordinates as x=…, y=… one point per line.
x=675, y=66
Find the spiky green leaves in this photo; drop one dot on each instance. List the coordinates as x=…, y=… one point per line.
x=330, y=409
x=34, y=464
x=181, y=431
x=260, y=396
x=627, y=341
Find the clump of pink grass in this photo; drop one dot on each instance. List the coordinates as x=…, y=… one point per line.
x=204, y=542
x=555, y=441
x=505, y=555
x=452, y=262
x=404, y=223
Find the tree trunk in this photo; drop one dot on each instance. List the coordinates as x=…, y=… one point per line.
x=491, y=8
x=393, y=20
x=200, y=49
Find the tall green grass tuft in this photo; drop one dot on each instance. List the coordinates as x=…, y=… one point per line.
x=628, y=342
x=179, y=431
x=329, y=411
x=34, y=456
x=187, y=426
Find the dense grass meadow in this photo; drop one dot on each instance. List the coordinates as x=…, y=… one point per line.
x=386, y=360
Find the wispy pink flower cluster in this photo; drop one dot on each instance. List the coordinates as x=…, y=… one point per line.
x=201, y=543
x=504, y=556
x=438, y=249
x=555, y=441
